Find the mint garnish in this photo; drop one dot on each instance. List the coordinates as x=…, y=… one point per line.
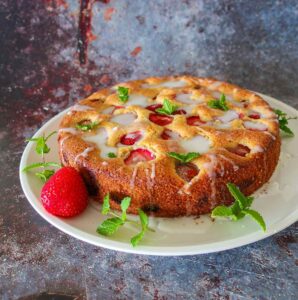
x=219, y=104
x=239, y=209
x=168, y=108
x=111, y=225
x=184, y=157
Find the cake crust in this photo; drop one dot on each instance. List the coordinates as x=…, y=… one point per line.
x=240, y=145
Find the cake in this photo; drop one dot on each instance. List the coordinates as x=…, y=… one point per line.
x=171, y=143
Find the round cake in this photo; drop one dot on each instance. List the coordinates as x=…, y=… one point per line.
x=171, y=143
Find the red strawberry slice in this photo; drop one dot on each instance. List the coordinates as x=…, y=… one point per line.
x=153, y=107
x=187, y=171
x=117, y=107
x=241, y=115
x=65, y=194
x=179, y=112
x=165, y=135
x=161, y=120
x=131, y=138
x=194, y=121
x=255, y=116
x=240, y=150
x=168, y=134
x=138, y=155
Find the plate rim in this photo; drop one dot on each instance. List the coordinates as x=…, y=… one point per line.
x=145, y=249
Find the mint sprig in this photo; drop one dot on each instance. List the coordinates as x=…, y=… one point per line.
x=111, y=225
x=42, y=148
x=219, y=103
x=123, y=93
x=283, y=121
x=87, y=126
x=184, y=157
x=41, y=143
x=167, y=108
x=135, y=240
x=112, y=155
x=239, y=209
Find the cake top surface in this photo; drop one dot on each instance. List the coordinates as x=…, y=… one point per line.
x=144, y=120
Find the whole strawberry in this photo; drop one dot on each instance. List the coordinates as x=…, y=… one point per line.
x=65, y=194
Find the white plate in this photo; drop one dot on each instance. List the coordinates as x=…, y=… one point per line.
x=277, y=202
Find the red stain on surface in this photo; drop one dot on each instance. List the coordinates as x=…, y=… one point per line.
x=136, y=51
x=105, y=79
x=108, y=13
x=57, y=3
x=87, y=88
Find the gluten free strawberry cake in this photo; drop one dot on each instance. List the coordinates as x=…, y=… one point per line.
x=171, y=143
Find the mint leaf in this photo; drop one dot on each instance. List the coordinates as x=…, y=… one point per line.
x=283, y=122
x=239, y=209
x=112, y=155
x=237, y=195
x=221, y=211
x=41, y=146
x=249, y=201
x=257, y=217
x=184, y=157
x=167, y=109
x=135, y=240
x=144, y=219
x=41, y=164
x=109, y=226
x=123, y=93
x=52, y=133
x=45, y=174
x=87, y=126
x=106, y=204
x=219, y=104
x=124, y=206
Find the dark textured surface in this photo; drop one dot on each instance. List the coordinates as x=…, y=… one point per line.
x=251, y=43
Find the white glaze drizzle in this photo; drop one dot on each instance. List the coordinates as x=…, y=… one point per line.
x=68, y=130
x=135, y=99
x=84, y=153
x=133, y=177
x=209, y=167
x=152, y=176
x=257, y=149
x=229, y=116
x=100, y=139
x=255, y=125
x=108, y=110
x=124, y=119
x=166, y=84
x=79, y=107
x=198, y=143
x=235, y=166
x=270, y=134
x=214, y=85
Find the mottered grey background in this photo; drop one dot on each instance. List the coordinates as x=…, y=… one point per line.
x=54, y=52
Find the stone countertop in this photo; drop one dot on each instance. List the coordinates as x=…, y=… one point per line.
x=45, y=68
